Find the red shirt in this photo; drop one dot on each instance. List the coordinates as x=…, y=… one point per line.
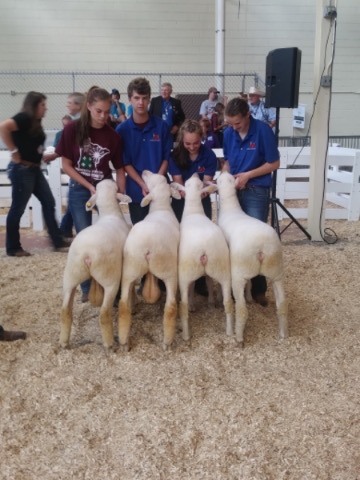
x=93, y=159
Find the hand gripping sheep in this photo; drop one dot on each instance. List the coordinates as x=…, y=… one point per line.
x=255, y=249
x=152, y=246
x=203, y=250
x=97, y=252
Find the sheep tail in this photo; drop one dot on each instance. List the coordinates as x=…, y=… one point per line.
x=87, y=261
x=203, y=260
x=260, y=256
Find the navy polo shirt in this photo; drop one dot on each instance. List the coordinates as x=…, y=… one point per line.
x=144, y=148
x=205, y=164
x=258, y=147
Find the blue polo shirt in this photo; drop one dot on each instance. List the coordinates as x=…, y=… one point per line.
x=144, y=148
x=205, y=164
x=258, y=147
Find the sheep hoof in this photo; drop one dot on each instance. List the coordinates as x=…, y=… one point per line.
x=65, y=345
x=167, y=347
x=124, y=347
x=240, y=343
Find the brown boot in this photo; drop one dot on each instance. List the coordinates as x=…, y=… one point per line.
x=6, y=336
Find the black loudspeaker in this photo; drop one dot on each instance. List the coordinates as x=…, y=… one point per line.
x=283, y=78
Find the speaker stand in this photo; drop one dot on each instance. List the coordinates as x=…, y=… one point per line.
x=274, y=201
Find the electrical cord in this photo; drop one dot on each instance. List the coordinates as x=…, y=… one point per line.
x=329, y=235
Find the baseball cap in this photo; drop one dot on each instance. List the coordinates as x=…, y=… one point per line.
x=213, y=89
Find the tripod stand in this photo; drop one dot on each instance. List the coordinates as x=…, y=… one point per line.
x=275, y=201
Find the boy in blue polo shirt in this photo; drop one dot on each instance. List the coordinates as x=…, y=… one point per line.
x=251, y=155
x=147, y=145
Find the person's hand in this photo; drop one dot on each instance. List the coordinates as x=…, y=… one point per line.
x=241, y=180
x=49, y=157
x=15, y=157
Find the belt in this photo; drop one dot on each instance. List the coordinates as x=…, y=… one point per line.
x=28, y=164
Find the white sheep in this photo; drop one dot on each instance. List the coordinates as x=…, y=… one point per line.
x=255, y=249
x=152, y=246
x=97, y=253
x=202, y=250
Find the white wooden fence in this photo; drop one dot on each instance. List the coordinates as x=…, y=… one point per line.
x=342, y=186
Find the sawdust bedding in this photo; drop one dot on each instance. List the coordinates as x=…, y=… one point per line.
x=274, y=410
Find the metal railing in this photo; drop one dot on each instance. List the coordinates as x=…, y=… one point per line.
x=57, y=85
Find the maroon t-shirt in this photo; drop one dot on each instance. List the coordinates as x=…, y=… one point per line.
x=93, y=159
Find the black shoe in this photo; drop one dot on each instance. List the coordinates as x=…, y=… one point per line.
x=19, y=253
x=67, y=234
x=6, y=336
x=64, y=246
x=260, y=299
x=201, y=287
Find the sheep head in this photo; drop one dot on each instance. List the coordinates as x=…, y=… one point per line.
x=226, y=184
x=105, y=190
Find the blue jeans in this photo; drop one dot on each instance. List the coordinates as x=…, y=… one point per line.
x=66, y=224
x=25, y=182
x=78, y=196
x=255, y=203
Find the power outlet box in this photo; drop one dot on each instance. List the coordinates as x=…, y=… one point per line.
x=330, y=12
x=326, y=81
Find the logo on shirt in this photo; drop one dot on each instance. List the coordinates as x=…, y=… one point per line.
x=90, y=157
x=155, y=137
x=201, y=169
x=252, y=145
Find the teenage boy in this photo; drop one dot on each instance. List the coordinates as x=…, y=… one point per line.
x=147, y=144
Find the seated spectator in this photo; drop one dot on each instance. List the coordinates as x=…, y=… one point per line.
x=208, y=137
x=258, y=109
x=207, y=106
x=129, y=110
x=218, y=122
x=117, y=109
x=168, y=108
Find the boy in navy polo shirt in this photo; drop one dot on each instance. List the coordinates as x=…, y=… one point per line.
x=251, y=155
x=147, y=145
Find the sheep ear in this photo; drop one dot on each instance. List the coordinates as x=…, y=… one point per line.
x=123, y=198
x=90, y=204
x=146, y=200
x=175, y=192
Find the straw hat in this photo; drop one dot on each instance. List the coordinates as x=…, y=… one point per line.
x=256, y=91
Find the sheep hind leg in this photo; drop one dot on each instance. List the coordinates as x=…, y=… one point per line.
x=124, y=321
x=281, y=308
x=228, y=307
x=66, y=317
x=241, y=312
x=106, y=324
x=170, y=313
x=184, y=311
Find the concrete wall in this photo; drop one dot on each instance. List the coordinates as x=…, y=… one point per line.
x=179, y=36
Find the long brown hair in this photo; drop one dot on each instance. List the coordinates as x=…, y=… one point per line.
x=95, y=94
x=30, y=106
x=180, y=154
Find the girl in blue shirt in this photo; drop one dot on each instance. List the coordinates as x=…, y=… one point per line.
x=189, y=157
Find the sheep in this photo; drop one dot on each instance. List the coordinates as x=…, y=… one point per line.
x=255, y=248
x=152, y=246
x=97, y=252
x=202, y=250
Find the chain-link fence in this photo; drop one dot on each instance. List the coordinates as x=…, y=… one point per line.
x=57, y=85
